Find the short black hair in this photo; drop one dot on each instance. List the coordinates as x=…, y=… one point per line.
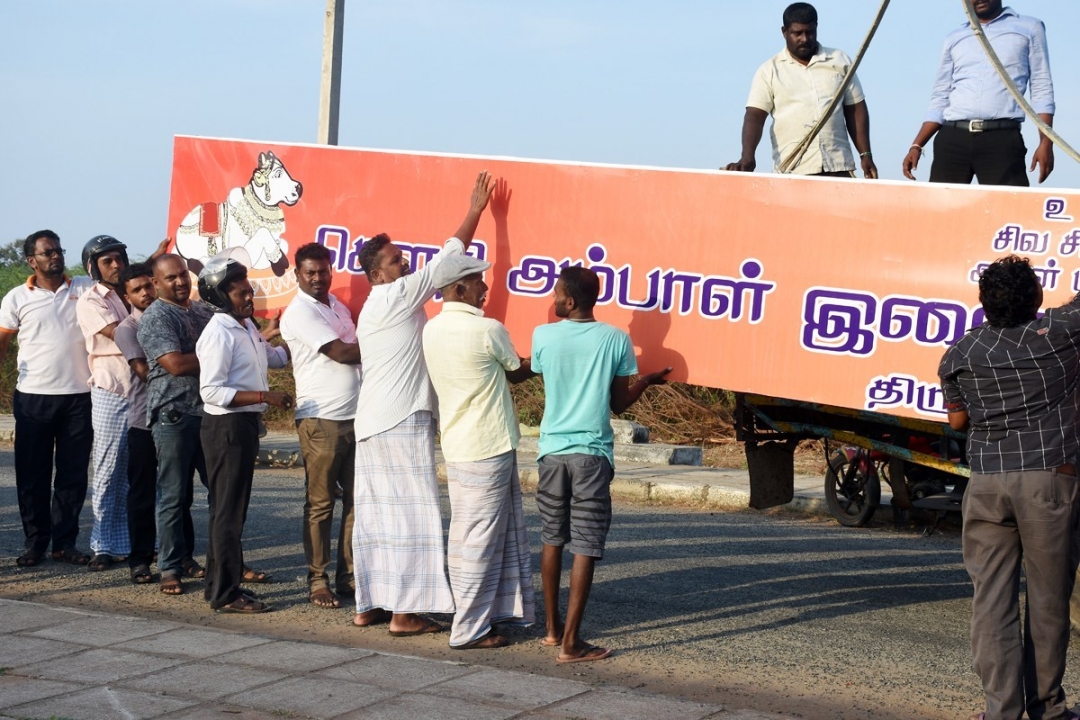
x=132, y=271
x=311, y=251
x=1008, y=289
x=370, y=251
x=800, y=12
x=582, y=284
x=30, y=244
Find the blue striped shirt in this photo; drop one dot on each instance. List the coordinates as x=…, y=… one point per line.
x=967, y=86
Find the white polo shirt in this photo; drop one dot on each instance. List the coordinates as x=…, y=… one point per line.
x=52, y=353
x=396, y=382
x=324, y=388
x=467, y=358
x=232, y=358
x=796, y=95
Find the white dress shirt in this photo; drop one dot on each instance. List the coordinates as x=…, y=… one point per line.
x=52, y=352
x=467, y=357
x=324, y=388
x=389, y=328
x=796, y=95
x=234, y=358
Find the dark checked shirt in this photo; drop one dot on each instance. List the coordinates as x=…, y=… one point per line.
x=1019, y=386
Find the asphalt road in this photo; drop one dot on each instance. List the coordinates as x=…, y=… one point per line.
x=779, y=613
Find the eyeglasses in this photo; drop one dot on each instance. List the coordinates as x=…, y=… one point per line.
x=51, y=252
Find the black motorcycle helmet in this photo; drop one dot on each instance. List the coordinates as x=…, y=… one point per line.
x=99, y=246
x=215, y=278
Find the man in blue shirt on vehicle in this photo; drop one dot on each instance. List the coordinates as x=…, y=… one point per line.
x=586, y=367
x=975, y=118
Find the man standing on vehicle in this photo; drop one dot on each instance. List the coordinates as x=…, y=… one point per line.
x=320, y=333
x=975, y=118
x=1012, y=383
x=795, y=87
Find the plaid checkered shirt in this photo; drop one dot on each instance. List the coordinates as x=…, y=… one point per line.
x=1019, y=387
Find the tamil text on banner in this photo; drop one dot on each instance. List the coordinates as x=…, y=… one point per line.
x=838, y=291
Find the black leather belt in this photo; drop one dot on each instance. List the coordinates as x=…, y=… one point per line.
x=977, y=126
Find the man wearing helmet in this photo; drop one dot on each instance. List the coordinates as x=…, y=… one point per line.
x=233, y=359
x=100, y=310
x=51, y=401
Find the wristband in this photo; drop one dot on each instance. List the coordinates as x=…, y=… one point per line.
x=260, y=397
x=866, y=154
x=920, y=147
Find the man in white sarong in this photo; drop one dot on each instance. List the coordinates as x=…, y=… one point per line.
x=471, y=359
x=398, y=549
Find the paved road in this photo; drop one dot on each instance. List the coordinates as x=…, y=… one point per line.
x=776, y=613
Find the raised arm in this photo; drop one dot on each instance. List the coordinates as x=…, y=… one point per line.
x=481, y=194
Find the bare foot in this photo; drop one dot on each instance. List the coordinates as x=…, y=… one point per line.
x=371, y=617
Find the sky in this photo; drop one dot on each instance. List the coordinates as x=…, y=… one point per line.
x=92, y=93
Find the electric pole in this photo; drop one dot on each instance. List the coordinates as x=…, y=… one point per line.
x=330, y=94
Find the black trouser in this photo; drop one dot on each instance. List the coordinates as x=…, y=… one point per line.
x=44, y=424
x=230, y=443
x=142, y=496
x=995, y=157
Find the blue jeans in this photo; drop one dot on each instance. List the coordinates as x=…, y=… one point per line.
x=178, y=454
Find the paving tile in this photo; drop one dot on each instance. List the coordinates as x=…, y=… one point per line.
x=611, y=705
x=402, y=673
x=19, y=690
x=102, y=630
x=18, y=650
x=22, y=616
x=510, y=689
x=192, y=643
x=98, y=666
x=294, y=657
x=411, y=707
x=208, y=680
x=316, y=697
x=212, y=711
x=101, y=704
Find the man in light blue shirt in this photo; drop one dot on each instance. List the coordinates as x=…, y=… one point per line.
x=976, y=120
x=586, y=367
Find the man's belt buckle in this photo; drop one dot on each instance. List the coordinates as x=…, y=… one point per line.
x=976, y=126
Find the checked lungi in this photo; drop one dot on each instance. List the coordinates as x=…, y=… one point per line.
x=488, y=548
x=109, y=483
x=399, y=557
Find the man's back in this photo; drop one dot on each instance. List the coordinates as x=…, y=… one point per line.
x=579, y=361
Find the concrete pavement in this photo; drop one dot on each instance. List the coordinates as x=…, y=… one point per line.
x=63, y=663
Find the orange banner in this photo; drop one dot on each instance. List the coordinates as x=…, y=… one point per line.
x=845, y=292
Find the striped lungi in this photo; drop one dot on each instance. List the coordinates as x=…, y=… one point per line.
x=488, y=548
x=399, y=559
x=109, y=482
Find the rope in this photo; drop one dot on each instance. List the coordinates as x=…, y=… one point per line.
x=797, y=154
x=1048, y=131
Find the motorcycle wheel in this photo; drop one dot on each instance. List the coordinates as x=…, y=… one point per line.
x=851, y=493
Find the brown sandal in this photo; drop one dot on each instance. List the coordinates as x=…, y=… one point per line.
x=171, y=585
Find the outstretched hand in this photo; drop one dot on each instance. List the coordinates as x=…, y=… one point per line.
x=656, y=378
x=162, y=248
x=482, y=190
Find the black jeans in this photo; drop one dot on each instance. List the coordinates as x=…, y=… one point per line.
x=230, y=443
x=995, y=157
x=45, y=424
x=142, y=496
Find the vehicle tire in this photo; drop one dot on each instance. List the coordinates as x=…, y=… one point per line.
x=850, y=492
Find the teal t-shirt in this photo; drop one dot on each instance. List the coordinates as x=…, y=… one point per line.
x=579, y=361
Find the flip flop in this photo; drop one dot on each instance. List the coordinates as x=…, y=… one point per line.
x=141, y=575
x=551, y=643
x=586, y=654
x=70, y=556
x=382, y=616
x=252, y=575
x=30, y=558
x=192, y=568
x=429, y=626
x=487, y=642
x=322, y=597
x=244, y=605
